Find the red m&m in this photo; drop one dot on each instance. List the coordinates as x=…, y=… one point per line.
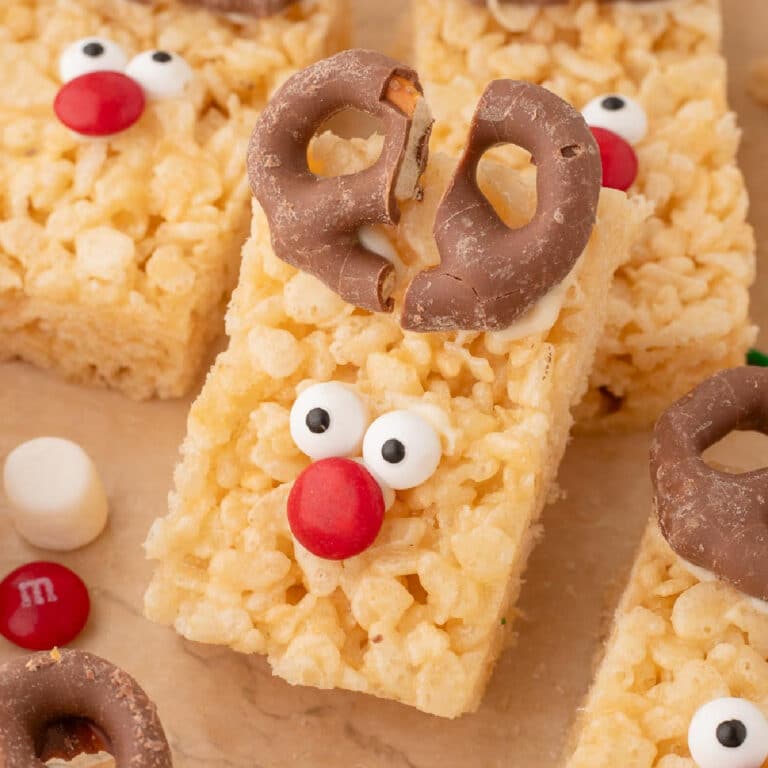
x=335, y=508
x=43, y=605
x=620, y=164
x=100, y=103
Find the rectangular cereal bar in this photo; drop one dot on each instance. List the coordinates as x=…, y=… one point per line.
x=679, y=307
x=418, y=615
x=677, y=643
x=689, y=643
x=118, y=253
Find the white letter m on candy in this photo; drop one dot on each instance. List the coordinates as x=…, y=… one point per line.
x=37, y=592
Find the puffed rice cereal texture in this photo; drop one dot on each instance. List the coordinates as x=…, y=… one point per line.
x=678, y=309
x=677, y=643
x=417, y=617
x=117, y=256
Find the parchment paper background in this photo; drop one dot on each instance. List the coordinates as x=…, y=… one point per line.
x=223, y=710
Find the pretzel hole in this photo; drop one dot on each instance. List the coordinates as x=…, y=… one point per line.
x=363, y=136
x=738, y=452
x=511, y=191
x=76, y=742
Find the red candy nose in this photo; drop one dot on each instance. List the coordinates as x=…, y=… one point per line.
x=620, y=164
x=99, y=103
x=335, y=508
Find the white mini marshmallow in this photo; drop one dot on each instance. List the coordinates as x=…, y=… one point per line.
x=57, y=498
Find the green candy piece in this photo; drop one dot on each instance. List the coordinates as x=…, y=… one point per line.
x=755, y=357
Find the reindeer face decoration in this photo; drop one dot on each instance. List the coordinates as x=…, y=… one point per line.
x=617, y=123
x=712, y=519
x=104, y=93
x=336, y=506
x=489, y=275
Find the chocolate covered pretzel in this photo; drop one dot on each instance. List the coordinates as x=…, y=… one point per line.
x=711, y=518
x=314, y=221
x=489, y=274
x=40, y=691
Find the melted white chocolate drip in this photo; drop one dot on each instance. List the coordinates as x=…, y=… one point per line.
x=539, y=319
x=374, y=240
x=542, y=316
x=704, y=575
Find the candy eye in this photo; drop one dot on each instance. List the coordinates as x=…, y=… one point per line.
x=328, y=421
x=620, y=114
x=91, y=54
x=402, y=449
x=728, y=733
x=161, y=74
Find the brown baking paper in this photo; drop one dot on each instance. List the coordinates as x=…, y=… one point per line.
x=225, y=710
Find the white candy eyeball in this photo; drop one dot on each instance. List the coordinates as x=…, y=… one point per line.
x=162, y=75
x=728, y=733
x=387, y=492
x=91, y=54
x=402, y=449
x=619, y=114
x=328, y=421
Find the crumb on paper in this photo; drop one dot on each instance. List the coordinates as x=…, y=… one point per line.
x=758, y=80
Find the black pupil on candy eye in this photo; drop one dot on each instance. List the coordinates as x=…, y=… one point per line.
x=93, y=49
x=163, y=57
x=318, y=421
x=393, y=451
x=732, y=733
x=613, y=103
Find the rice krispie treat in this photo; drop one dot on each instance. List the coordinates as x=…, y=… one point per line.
x=365, y=465
x=684, y=681
x=652, y=73
x=123, y=208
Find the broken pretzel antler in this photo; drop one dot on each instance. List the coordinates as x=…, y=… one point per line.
x=489, y=274
x=314, y=221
